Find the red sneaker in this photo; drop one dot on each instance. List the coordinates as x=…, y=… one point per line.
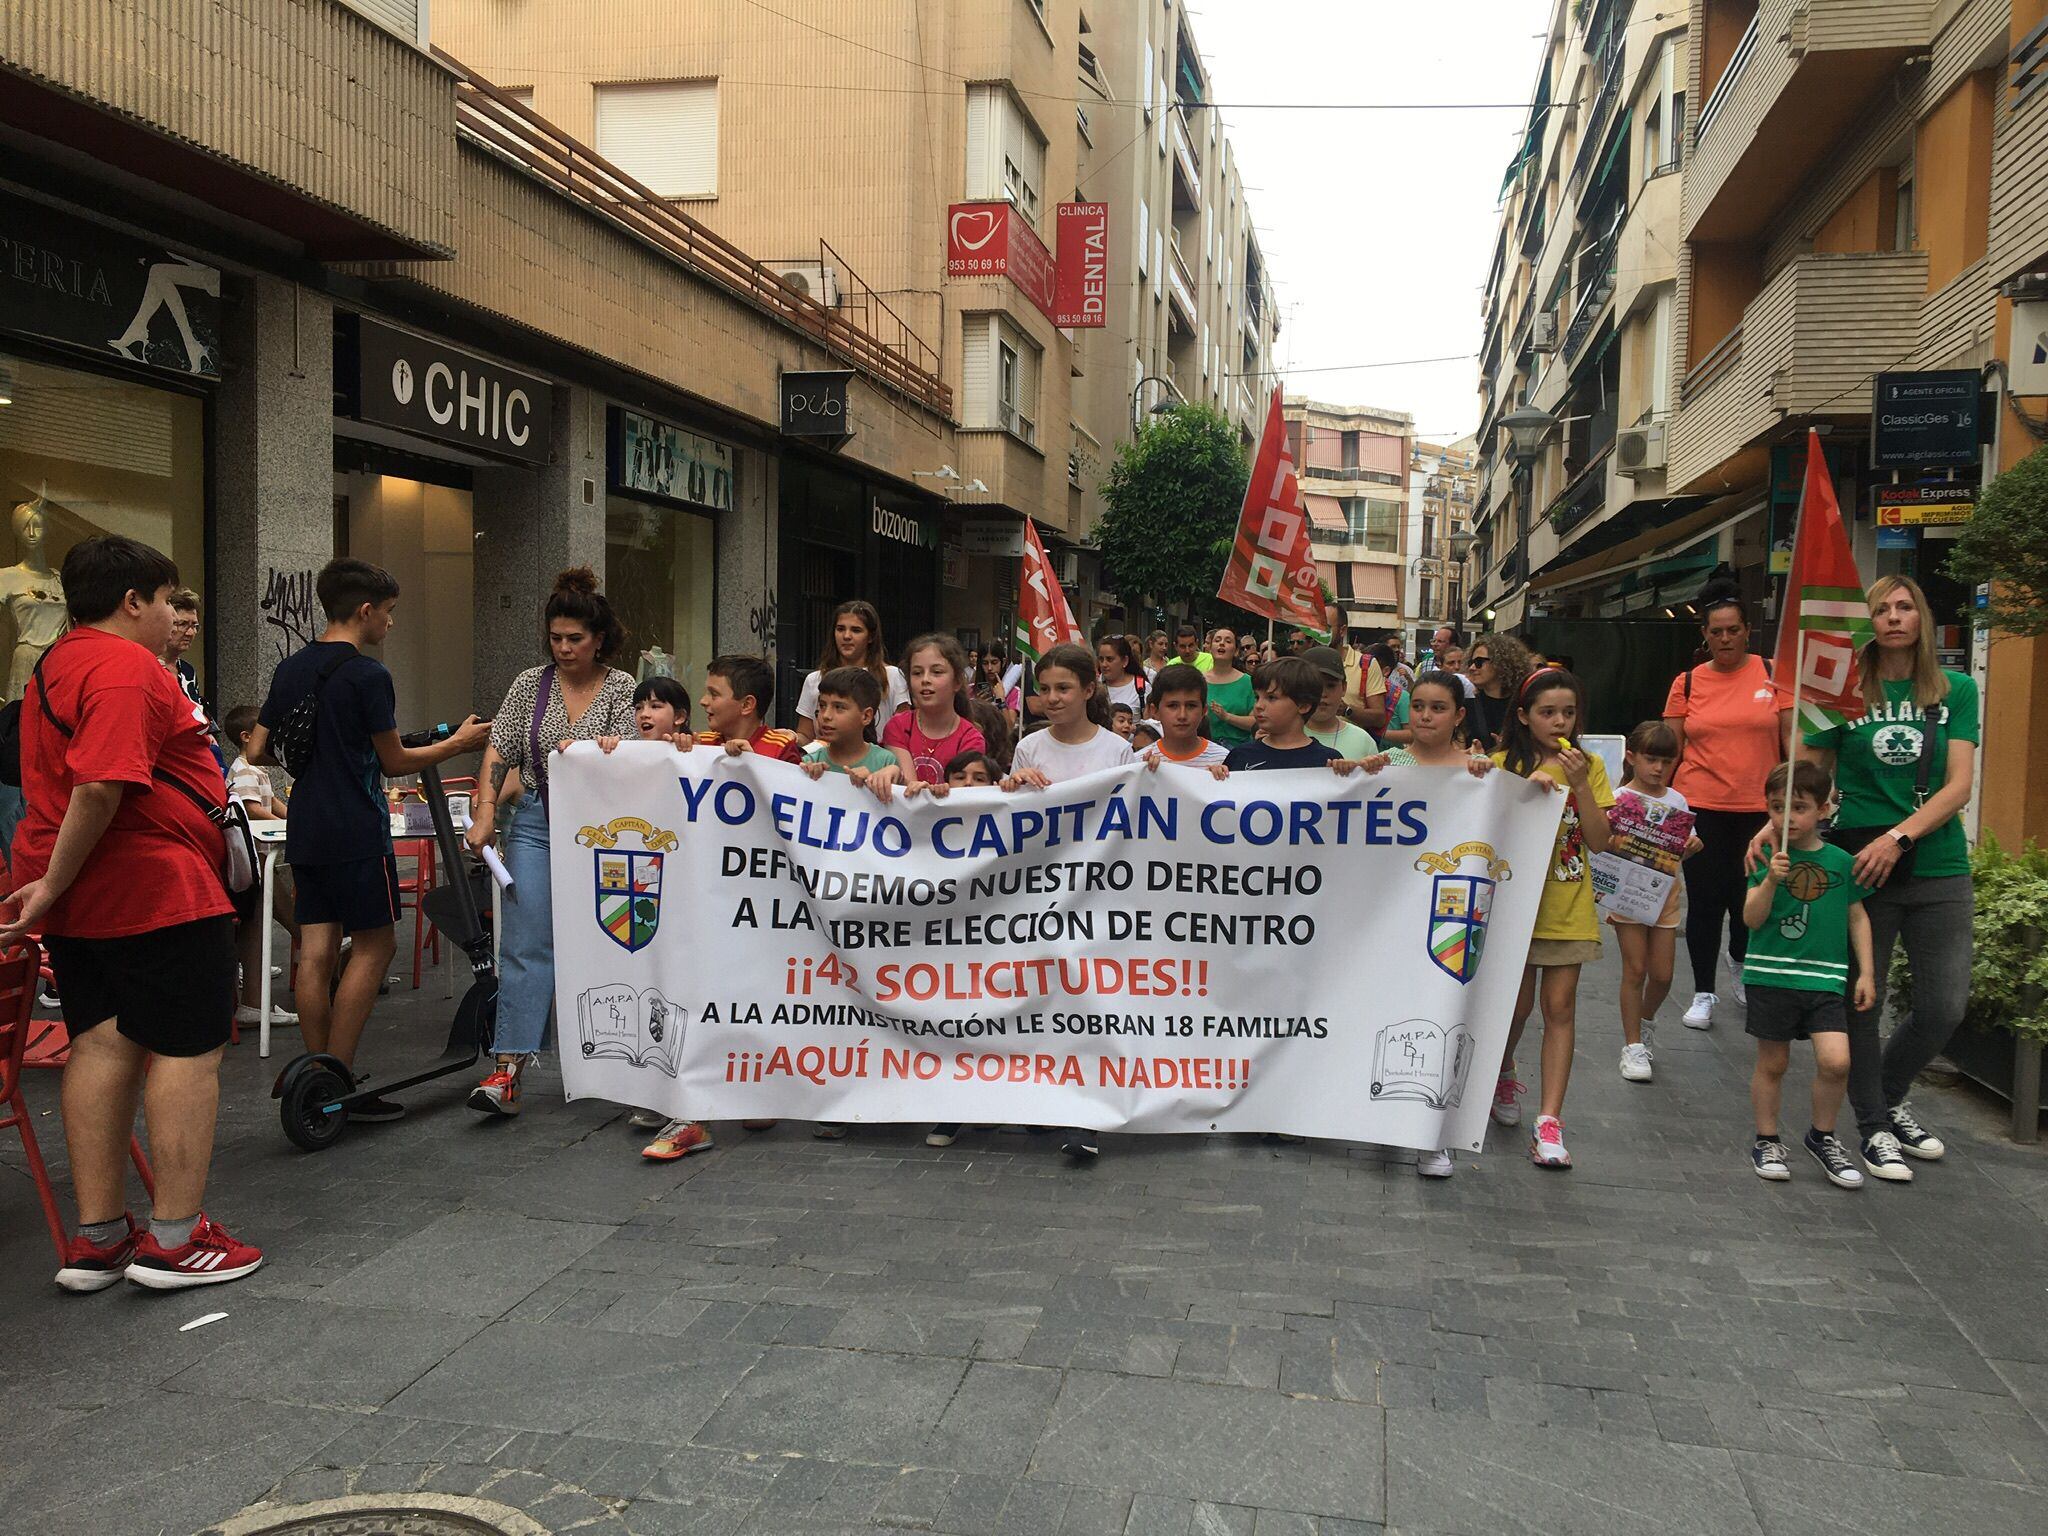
x=208, y=1257
x=89, y=1267
x=679, y=1138
x=498, y=1094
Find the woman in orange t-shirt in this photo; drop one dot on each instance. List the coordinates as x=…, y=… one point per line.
x=1730, y=734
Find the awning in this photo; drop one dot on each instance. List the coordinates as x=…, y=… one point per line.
x=1326, y=512
x=1656, y=544
x=1532, y=139
x=1327, y=571
x=1375, y=583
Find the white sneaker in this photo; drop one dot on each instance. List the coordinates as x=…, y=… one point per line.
x=1735, y=987
x=1506, y=1091
x=1635, y=1063
x=1914, y=1139
x=1435, y=1165
x=1701, y=1014
x=1546, y=1147
x=280, y=1018
x=647, y=1120
x=1881, y=1155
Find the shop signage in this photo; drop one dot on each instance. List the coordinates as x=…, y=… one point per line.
x=901, y=527
x=1922, y=420
x=69, y=280
x=653, y=458
x=986, y=536
x=1081, y=284
x=953, y=572
x=1921, y=506
x=990, y=239
x=428, y=387
x=814, y=404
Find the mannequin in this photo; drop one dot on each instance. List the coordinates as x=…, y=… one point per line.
x=34, y=595
x=655, y=662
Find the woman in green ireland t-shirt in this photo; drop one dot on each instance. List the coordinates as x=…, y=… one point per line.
x=1902, y=774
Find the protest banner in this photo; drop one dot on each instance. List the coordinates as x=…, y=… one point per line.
x=1632, y=880
x=1133, y=950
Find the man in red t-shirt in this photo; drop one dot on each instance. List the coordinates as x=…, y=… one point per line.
x=120, y=867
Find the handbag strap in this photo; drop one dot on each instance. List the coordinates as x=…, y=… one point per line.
x=535, y=758
x=213, y=813
x=1937, y=719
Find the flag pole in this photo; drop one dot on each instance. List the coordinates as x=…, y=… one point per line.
x=1792, y=730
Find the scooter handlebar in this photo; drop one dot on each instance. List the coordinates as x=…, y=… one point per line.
x=428, y=737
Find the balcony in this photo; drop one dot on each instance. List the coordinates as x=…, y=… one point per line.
x=1596, y=287
x=1592, y=141
x=1648, y=252
x=1349, y=474
x=1808, y=345
x=1180, y=283
x=1798, y=77
x=1187, y=164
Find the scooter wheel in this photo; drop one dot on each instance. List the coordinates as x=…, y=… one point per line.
x=311, y=1110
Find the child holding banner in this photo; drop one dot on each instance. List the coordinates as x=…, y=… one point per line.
x=845, y=722
x=1662, y=835
x=935, y=730
x=1075, y=745
x=1542, y=742
x=1180, y=702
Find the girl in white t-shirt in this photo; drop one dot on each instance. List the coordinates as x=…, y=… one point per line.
x=1120, y=681
x=856, y=641
x=1079, y=740
x=1646, y=951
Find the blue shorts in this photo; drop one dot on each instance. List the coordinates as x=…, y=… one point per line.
x=361, y=895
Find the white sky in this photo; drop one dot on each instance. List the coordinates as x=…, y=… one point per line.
x=1378, y=226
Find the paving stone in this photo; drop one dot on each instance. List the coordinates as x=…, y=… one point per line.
x=503, y=1258
x=1796, y=1495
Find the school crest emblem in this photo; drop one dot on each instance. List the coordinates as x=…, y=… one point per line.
x=627, y=881
x=1460, y=902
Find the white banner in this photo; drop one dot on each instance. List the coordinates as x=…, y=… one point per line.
x=1131, y=951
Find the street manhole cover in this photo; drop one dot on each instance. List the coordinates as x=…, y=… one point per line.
x=382, y=1514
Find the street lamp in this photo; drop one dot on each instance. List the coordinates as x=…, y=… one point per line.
x=1526, y=428
x=1160, y=407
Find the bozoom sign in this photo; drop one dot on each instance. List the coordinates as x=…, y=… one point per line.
x=423, y=386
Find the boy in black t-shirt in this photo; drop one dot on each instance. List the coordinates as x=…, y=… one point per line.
x=1288, y=692
x=337, y=827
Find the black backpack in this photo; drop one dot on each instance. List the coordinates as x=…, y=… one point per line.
x=292, y=742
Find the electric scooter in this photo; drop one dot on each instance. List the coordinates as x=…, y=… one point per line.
x=315, y=1090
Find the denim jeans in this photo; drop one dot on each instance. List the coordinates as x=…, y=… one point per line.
x=526, y=951
x=1933, y=916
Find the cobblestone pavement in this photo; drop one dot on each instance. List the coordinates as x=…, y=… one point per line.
x=1195, y=1338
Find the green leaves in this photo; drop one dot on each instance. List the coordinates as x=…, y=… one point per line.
x=2006, y=544
x=2007, y=955
x=1173, y=496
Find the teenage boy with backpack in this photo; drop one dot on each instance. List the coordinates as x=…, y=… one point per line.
x=335, y=705
x=119, y=868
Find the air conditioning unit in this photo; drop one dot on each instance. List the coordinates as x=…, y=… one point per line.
x=1639, y=450
x=1066, y=565
x=812, y=279
x=1543, y=335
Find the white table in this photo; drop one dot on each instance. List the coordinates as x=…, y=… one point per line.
x=270, y=840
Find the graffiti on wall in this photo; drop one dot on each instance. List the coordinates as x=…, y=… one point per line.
x=761, y=620
x=290, y=609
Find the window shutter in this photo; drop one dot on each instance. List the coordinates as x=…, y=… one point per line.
x=982, y=183
x=664, y=135
x=1144, y=236
x=977, y=386
x=1158, y=261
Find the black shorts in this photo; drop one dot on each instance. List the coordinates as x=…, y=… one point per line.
x=1790, y=1013
x=170, y=990
x=361, y=895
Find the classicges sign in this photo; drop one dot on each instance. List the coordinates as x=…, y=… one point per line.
x=425, y=386
x=71, y=281
x=1926, y=420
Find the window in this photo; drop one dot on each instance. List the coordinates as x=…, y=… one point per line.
x=1005, y=154
x=999, y=378
x=1664, y=121
x=1144, y=236
x=664, y=135
x=1374, y=523
x=1151, y=83
x=1904, y=226
x=1158, y=261
x=523, y=94
x=1429, y=548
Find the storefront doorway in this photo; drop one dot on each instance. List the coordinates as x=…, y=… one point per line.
x=667, y=489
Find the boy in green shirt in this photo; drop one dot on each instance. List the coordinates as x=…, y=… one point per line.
x=1805, y=915
x=1327, y=723
x=847, y=700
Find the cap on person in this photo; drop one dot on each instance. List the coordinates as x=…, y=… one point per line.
x=1326, y=661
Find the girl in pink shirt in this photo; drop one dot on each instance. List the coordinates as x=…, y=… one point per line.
x=935, y=729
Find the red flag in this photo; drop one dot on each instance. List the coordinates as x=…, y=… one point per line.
x=1826, y=620
x=1272, y=570
x=1043, y=618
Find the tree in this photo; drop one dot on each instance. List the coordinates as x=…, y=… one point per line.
x=2005, y=543
x=1173, y=497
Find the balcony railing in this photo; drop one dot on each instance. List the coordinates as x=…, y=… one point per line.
x=492, y=118
x=1585, y=495
x=1598, y=289
x=1591, y=143
x=2028, y=67
x=1181, y=281
x=1725, y=86
x=1349, y=472
x=1184, y=146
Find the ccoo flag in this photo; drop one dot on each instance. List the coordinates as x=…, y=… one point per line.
x=1826, y=621
x=1272, y=569
x=1043, y=618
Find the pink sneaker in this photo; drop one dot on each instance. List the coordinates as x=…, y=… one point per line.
x=1506, y=1111
x=1546, y=1149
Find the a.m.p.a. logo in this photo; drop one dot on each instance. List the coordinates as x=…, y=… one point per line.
x=1460, y=901
x=627, y=881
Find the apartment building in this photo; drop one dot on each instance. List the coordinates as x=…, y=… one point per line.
x=1355, y=465
x=1443, y=487
x=1579, y=321
x=350, y=299
x=838, y=143
x=1867, y=196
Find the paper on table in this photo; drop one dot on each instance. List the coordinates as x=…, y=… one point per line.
x=497, y=867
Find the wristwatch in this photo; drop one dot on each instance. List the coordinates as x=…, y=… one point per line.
x=1903, y=839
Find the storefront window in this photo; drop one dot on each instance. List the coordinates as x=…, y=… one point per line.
x=82, y=454
x=658, y=569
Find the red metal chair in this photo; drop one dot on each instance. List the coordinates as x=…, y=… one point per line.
x=420, y=850
x=19, y=972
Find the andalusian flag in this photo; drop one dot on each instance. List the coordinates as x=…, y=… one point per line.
x=1044, y=618
x=1826, y=618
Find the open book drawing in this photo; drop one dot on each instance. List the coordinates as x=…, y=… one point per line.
x=1419, y=1059
x=614, y=1022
